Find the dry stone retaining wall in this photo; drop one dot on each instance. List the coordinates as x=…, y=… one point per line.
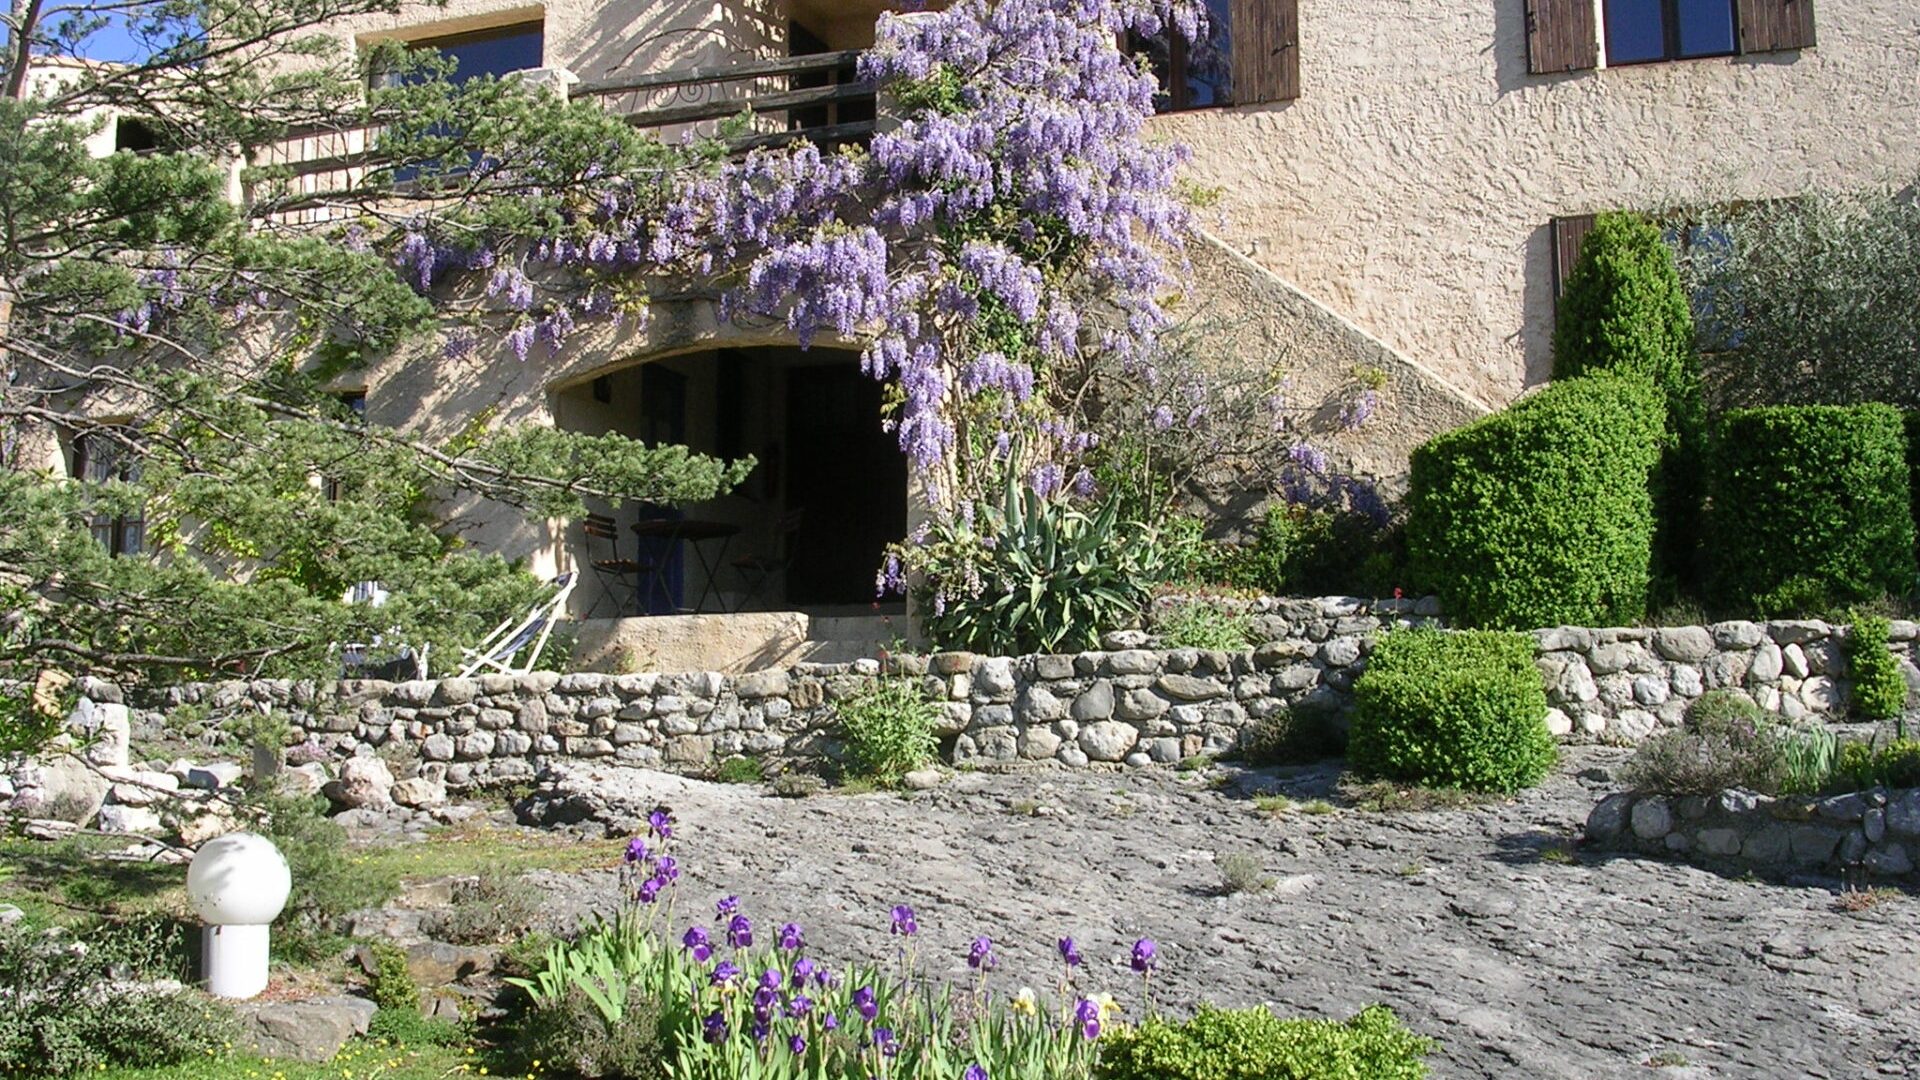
x=1877, y=830
x=1127, y=704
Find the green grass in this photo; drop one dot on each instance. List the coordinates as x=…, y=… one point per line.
x=66, y=881
x=362, y=1059
x=461, y=851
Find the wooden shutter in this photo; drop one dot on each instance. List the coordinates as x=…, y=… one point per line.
x=1266, y=50
x=1568, y=234
x=1774, y=25
x=1561, y=36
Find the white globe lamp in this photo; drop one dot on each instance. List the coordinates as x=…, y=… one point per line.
x=237, y=883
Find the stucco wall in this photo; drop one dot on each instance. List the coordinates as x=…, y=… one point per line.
x=1410, y=186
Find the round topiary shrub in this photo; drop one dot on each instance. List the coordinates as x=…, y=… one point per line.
x=1811, y=507
x=1452, y=709
x=1541, y=515
x=1625, y=311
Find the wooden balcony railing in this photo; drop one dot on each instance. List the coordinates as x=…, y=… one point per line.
x=815, y=97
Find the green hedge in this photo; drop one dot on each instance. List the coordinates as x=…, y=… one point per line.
x=1541, y=515
x=1254, y=1044
x=1624, y=311
x=1811, y=507
x=1913, y=464
x=1457, y=709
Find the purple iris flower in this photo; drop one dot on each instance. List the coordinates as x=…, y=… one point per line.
x=739, y=932
x=763, y=1002
x=797, y=1044
x=980, y=955
x=771, y=979
x=904, y=923
x=831, y=1023
x=698, y=943
x=760, y=1030
x=714, y=1027
x=1144, y=953
x=660, y=822
x=1069, y=952
x=650, y=889
x=666, y=868
x=1087, y=1016
x=726, y=906
x=790, y=937
x=883, y=1038
x=974, y=1072
x=799, y=1005
x=636, y=849
x=724, y=973
x=864, y=1003
x=803, y=970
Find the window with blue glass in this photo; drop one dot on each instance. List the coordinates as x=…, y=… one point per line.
x=1192, y=74
x=499, y=51
x=1644, y=31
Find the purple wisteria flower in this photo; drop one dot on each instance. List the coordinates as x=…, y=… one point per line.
x=865, y=1004
x=904, y=923
x=696, y=941
x=739, y=932
x=1086, y=1017
x=790, y=938
x=980, y=954
x=1144, y=955
x=1069, y=952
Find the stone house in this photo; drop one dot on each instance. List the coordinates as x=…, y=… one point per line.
x=1401, y=188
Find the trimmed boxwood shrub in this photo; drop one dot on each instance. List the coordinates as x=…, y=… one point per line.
x=1541, y=515
x=1811, y=507
x=1624, y=311
x=1456, y=709
x=1879, y=690
x=1254, y=1044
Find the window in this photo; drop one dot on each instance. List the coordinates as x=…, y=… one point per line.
x=499, y=51
x=1642, y=31
x=1249, y=54
x=100, y=458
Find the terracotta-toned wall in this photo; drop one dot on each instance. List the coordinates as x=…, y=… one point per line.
x=1410, y=185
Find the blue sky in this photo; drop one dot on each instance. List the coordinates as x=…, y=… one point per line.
x=111, y=43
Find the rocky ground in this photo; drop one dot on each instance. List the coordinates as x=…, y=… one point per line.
x=1475, y=925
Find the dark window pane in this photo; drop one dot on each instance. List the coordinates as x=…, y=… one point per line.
x=1635, y=31
x=1209, y=60
x=1706, y=27
x=494, y=53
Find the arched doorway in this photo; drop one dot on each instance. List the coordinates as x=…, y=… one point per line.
x=804, y=532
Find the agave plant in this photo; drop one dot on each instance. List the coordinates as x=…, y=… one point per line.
x=1035, y=574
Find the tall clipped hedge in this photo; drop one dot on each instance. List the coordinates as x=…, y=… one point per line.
x=1913, y=465
x=1811, y=507
x=1624, y=310
x=1540, y=515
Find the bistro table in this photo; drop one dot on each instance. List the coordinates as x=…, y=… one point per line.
x=698, y=535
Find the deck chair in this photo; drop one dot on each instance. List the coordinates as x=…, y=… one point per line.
x=530, y=634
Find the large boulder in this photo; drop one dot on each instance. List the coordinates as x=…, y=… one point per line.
x=60, y=787
x=312, y=1030
x=365, y=784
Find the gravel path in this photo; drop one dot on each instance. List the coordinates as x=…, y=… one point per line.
x=1518, y=965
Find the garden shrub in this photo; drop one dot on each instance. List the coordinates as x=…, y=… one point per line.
x=886, y=729
x=1300, y=550
x=327, y=881
x=1540, y=515
x=1301, y=734
x=1452, y=709
x=406, y=1027
x=1879, y=690
x=571, y=1036
x=1201, y=623
x=1913, y=481
x=1254, y=1044
x=1895, y=765
x=1728, y=741
x=1624, y=311
x=494, y=907
x=67, y=1008
x=392, y=986
x=1810, y=503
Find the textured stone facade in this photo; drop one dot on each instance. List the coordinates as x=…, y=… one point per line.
x=1129, y=704
x=1877, y=831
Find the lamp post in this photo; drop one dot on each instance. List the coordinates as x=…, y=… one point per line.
x=238, y=883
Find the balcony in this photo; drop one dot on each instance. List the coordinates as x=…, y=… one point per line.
x=816, y=97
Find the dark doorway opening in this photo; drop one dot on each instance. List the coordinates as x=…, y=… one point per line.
x=849, y=475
